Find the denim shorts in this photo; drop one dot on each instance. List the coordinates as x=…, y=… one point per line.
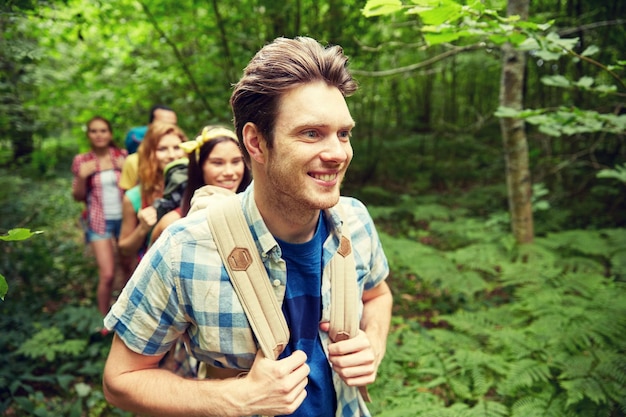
x=112, y=231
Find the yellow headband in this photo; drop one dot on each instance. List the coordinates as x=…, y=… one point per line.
x=207, y=135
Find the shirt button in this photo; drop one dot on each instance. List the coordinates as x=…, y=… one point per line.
x=276, y=282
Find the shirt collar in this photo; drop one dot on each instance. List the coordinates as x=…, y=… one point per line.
x=266, y=244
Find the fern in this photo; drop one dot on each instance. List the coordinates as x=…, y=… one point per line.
x=542, y=404
x=484, y=257
x=487, y=409
x=584, y=242
x=555, y=348
x=50, y=342
x=525, y=374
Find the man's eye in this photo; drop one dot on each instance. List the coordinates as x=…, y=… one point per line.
x=310, y=134
x=345, y=134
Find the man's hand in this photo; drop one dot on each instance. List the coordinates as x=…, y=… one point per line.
x=353, y=359
x=276, y=387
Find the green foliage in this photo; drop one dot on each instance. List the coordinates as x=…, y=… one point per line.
x=619, y=173
x=568, y=121
x=48, y=343
x=52, y=354
x=533, y=330
x=13, y=235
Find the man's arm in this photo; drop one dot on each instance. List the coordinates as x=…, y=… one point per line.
x=356, y=360
x=134, y=382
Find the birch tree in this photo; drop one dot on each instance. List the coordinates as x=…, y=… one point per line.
x=515, y=143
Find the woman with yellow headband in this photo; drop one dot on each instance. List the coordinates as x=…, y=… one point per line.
x=214, y=159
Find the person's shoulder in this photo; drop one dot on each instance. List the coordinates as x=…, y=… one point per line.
x=85, y=156
x=118, y=151
x=355, y=213
x=191, y=229
x=352, y=205
x=80, y=159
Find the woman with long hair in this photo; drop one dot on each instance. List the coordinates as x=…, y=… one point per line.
x=160, y=146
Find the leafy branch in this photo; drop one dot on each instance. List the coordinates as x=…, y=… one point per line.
x=179, y=56
x=13, y=235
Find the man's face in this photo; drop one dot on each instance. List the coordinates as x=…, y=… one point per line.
x=311, y=149
x=165, y=116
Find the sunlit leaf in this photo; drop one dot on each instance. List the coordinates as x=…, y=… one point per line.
x=591, y=50
x=548, y=55
x=439, y=38
x=506, y=112
x=381, y=7
x=585, y=82
x=18, y=234
x=439, y=15
x=529, y=44
x=556, y=81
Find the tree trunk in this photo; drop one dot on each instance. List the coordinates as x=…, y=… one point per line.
x=514, y=135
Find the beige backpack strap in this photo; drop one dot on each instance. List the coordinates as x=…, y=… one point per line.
x=248, y=275
x=244, y=265
x=344, y=319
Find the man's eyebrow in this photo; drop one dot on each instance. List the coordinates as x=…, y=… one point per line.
x=317, y=124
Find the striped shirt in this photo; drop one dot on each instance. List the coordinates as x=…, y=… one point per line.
x=181, y=286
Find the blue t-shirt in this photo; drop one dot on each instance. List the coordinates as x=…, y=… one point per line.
x=302, y=308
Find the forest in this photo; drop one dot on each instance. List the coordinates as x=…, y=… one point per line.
x=490, y=149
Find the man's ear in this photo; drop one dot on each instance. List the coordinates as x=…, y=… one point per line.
x=254, y=142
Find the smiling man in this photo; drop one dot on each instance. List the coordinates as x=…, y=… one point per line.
x=291, y=115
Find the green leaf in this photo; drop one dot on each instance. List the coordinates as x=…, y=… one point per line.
x=548, y=55
x=82, y=389
x=584, y=82
x=19, y=234
x=440, y=15
x=529, y=44
x=554, y=40
x=506, y=112
x=381, y=7
x=556, y=81
x=4, y=287
x=591, y=50
x=439, y=38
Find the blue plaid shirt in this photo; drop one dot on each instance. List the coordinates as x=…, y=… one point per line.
x=182, y=287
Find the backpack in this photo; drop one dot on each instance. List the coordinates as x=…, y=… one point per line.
x=175, y=178
x=251, y=283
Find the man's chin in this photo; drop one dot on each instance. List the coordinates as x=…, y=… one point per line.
x=326, y=201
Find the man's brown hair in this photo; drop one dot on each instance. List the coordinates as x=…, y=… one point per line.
x=277, y=68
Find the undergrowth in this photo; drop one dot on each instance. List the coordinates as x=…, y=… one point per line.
x=52, y=353
x=484, y=327
x=481, y=326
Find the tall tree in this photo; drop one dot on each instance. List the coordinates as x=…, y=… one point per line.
x=17, y=123
x=514, y=133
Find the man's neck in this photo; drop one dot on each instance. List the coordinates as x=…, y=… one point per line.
x=287, y=222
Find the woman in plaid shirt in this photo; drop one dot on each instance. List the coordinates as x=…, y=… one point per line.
x=96, y=174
